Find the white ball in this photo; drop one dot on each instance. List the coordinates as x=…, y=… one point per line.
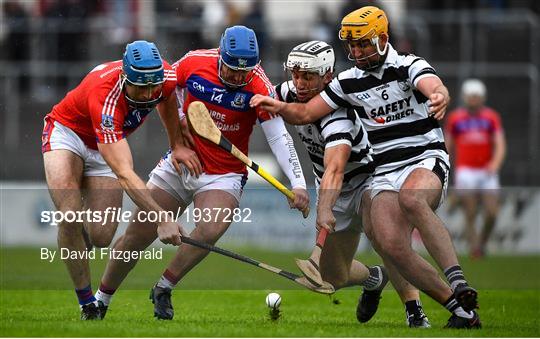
x=273, y=300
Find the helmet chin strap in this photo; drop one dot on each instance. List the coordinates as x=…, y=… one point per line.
x=375, y=41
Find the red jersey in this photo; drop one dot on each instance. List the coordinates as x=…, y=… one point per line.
x=473, y=136
x=97, y=110
x=197, y=72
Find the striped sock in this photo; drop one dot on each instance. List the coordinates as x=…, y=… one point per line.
x=454, y=275
x=85, y=295
x=451, y=304
x=168, y=280
x=374, y=280
x=105, y=294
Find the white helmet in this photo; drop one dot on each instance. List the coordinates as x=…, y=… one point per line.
x=473, y=87
x=312, y=56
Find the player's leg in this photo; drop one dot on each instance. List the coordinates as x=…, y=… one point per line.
x=214, y=205
x=409, y=295
x=394, y=243
x=63, y=172
x=491, y=203
x=102, y=193
x=469, y=202
x=138, y=236
x=420, y=194
x=392, y=239
x=336, y=263
x=466, y=182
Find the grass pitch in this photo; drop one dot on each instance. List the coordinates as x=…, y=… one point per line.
x=225, y=298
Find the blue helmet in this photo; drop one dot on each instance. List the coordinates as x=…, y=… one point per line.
x=238, y=48
x=142, y=64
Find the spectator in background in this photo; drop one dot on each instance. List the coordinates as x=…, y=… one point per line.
x=324, y=28
x=216, y=16
x=255, y=20
x=476, y=138
x=66, y=40
x=17, y=37
x=121, y=15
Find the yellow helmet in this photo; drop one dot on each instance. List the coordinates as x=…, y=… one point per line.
x=365, y=23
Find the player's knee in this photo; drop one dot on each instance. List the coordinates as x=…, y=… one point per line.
x=102, y=235
x=69, y=230
x=411, y=201
x=211, y=233
x=393, y=247
x=102, y=240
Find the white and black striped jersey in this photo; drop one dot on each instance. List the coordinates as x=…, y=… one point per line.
x=392, y=110
x=339, y=127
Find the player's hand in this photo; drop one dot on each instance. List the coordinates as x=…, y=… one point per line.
x=438, y=105
x=326, y=219
x=266, y=103
x=492, y=168
x=169, y=232
x=187, y=157
x=186, y=133
x=301, y=201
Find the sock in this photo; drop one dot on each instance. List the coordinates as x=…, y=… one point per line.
x=413, y=307
x=451, y=304
x=455, y=277
x=85, y=295
x=105, y=294
x=374, y=280
x=167, y=280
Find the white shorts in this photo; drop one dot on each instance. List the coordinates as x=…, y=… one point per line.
x=476, y=179
x=57, y=136
x=186, y=186
x=347, y=208
x=394, y=180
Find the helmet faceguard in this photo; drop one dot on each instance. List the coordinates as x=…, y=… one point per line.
x=238, y=51
x=363, y=28
x=143, y=67
x=311, y=57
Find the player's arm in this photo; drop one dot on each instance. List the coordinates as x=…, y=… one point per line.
x=168, y=112
x=293, y=113
x=118, y=157
x=282, y=146
x=448, y=135
x=437, y=93
x=499, y=151
x=335, y=160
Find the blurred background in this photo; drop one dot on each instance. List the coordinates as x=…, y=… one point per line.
x=48, y=46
